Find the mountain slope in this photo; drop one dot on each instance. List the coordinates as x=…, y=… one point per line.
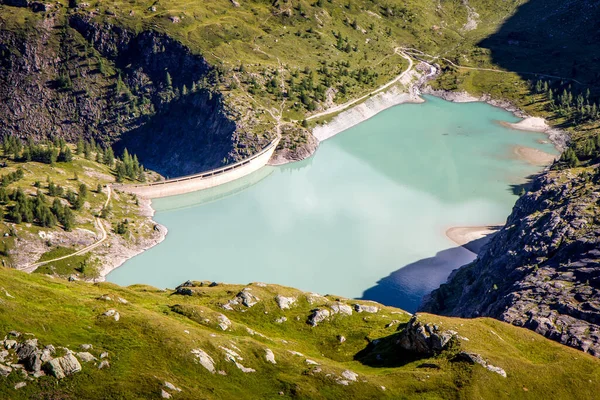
x=159, y=336
x=189, y=86
x=542, y=270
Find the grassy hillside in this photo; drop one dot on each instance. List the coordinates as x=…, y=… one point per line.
x=153, y=339
x=266, y=62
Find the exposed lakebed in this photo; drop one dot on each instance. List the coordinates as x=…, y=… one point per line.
x=365, y=217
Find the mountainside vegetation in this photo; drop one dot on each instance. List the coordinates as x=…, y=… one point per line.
x=208, y=340
x=222, y=78
x=55, y=201
x=188, y=86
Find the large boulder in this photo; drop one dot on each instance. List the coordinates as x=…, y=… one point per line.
x=63, y=366
x=318, y=315
x=30, y=356
x=424, y=339
x=246, y=298
x=284, y=302
x=368, y=309
x=341, y=308
x=86, y=356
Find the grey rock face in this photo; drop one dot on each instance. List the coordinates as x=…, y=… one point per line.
x=284, y=302
x=30, y=356
x=35, y=109
x=5, y=370
x=318, y=315
x=424, y=339
x=340, y=308
x=63, y=366
x=247, y=298
x=541, y=271
x=368, y=309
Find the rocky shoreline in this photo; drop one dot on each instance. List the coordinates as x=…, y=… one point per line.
x=361, y=112
x=407, y=90
x=540, y=271
x=118, y=250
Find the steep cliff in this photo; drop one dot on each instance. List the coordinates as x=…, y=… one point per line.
x=67, y=76
x=542, y=270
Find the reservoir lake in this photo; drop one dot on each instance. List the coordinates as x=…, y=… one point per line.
x=365, y=217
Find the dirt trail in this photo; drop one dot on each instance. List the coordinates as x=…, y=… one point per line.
x=342, y=107
x=103, y=237
x=409, y=51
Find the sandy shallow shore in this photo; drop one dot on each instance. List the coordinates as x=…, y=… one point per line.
x=529, y=124
x=534, y=156
x=472, y=238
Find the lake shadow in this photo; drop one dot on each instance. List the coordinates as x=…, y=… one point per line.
x=405, y=287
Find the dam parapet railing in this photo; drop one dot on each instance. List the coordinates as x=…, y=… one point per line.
x=203, y=180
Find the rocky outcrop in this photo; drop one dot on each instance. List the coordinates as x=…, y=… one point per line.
x=424, y=339
x=542, y=270
x=473, y=358
x=270, y=356
x=317, y=316
x=25, y=354
x=363, y=308
x=341, y=308
x=224, y=322
x=296, y=144
x=64, y=366
x=102, y=81
x=204, y=359
x=246, y=298
x=285, y=302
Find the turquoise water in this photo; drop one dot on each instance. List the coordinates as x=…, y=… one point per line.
x=364, y=217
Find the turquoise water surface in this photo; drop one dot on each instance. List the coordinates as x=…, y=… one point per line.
x=365, y=217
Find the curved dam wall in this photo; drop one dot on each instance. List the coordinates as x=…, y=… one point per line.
x=204, y=180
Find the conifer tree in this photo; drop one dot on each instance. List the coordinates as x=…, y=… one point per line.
x=169, y=80
x=80, y=147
